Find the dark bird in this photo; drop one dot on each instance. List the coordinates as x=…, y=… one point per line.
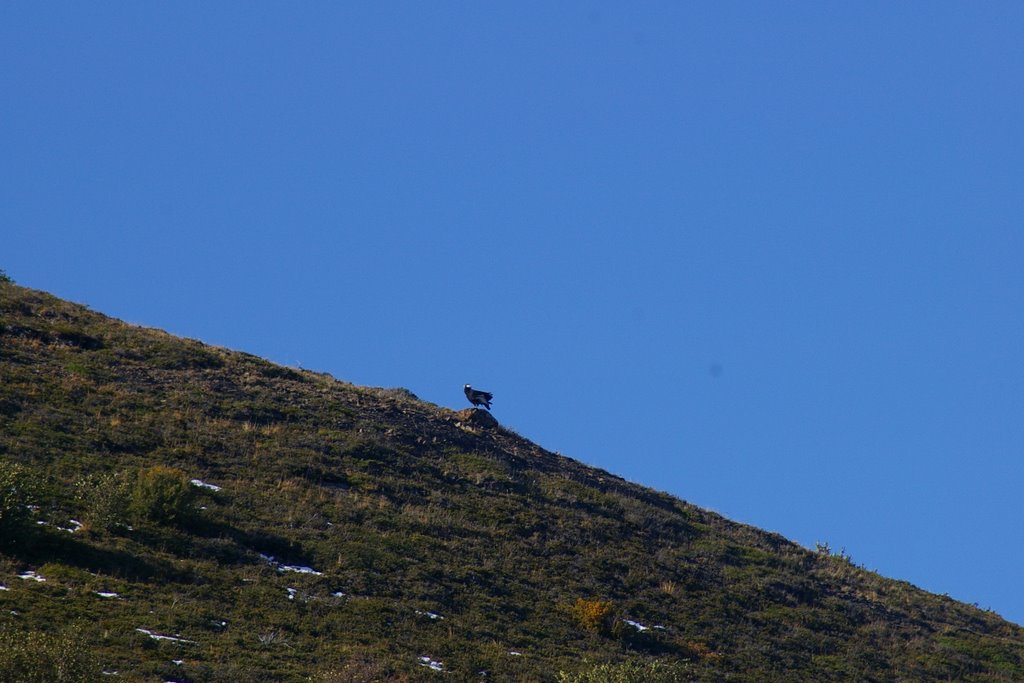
x=479, y=398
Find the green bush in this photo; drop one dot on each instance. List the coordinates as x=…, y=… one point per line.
x=37, y=657
x=631, y=672
x=105, y=499
x=4, y=277
x=17, y=493
x=163, y=495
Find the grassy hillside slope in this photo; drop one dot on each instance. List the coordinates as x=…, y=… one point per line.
x=342, y=533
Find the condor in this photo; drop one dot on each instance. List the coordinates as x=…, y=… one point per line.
x=479, y=398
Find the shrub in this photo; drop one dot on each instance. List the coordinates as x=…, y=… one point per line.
x=361, y=670
x=630, y=672
x=38, y=657
x=163, y=495
x=4, y=277
x=694, y=649
x=105, y=499
x=17, y=494
x=594, y=615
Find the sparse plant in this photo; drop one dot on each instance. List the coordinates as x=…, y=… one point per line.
x=273, y=638
x=361, y=669
x=656, y=671
x=4, y=277
x=825, y=550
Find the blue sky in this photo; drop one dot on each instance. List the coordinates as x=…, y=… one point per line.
x=767, y=258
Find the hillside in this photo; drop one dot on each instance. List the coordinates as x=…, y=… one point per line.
x=172, y=511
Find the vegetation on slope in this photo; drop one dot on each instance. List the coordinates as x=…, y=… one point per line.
x=174, y=511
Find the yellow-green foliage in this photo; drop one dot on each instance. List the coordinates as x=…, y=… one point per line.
x=162, y=494
x=594, y=615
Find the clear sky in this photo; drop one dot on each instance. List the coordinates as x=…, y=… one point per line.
x=768, y=257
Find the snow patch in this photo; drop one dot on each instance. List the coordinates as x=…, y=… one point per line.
x=432, y=615
x=292, y=593
x=107, y=595
x=272, y=561
x=337, y=594
x=4, y=588
x=203, y=485
x=75, y=526
x=431, y=664
x=515, y=654
x=31, y=575
x=157, y=636
x=637, y=625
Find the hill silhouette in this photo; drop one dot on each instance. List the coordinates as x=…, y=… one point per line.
x=176, y=511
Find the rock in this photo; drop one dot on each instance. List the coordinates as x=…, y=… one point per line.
x=476, y=417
